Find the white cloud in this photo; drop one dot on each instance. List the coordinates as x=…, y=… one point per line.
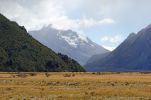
x=67, y=23
x=111, y=48
x=33, y=16
x=112, y=39
x=107, y=21
x=111, y=42
x=44, y=12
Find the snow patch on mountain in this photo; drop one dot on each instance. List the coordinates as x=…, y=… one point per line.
x=72, y=42
x=73, y=39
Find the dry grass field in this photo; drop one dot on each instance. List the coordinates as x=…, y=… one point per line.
x=75, y=86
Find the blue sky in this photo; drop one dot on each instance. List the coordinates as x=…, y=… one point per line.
x=106, y=22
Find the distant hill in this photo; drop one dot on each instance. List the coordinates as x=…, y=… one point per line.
x=20, y=52
x=68, y=42
x=93, y=61
x=134, y=54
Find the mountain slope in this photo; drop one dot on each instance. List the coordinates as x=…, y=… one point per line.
x=20, y=52
x=134, y=54
x=93, y=62
x=68, y=42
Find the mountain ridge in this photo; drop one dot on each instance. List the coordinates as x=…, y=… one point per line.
x=68, y=42
x=133, y=54
x=20, y=52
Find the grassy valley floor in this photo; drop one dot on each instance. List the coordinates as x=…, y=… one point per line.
x=75, y=86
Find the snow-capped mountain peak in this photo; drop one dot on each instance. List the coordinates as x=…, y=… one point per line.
x=72, y=38
x=73, y=44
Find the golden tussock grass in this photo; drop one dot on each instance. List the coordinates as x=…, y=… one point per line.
x=75, y=86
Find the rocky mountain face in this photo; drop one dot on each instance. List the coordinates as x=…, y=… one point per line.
x=134, y=54
x=20, y=52
x=69, y=43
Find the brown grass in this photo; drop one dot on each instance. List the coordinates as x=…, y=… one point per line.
x=75, y=86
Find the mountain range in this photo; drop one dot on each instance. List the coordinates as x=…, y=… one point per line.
x=48, y=50
x=133, y=54
x=19, y=51
x=68, y=42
